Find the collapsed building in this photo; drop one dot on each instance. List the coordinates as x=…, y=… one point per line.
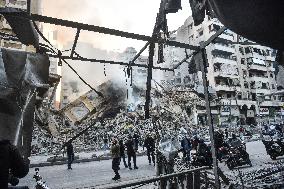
x=107, y=116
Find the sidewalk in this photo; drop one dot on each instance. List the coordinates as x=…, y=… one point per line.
x=42, y=161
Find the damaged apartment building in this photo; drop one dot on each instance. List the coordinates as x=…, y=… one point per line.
x=241, y=74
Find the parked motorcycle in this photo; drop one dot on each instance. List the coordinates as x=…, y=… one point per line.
x=237, y=157
x=40, y=184
x=274, y=148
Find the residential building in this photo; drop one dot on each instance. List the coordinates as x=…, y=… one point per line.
x=239, y=70
x=5, y=27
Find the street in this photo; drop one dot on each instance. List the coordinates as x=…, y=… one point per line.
x=100, y=172
x=87, y=174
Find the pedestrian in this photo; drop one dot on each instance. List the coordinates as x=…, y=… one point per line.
x=11, y=163
x=226, y=133
x=149, y=144
x=131, y=153
x=105, y=145
x=122, y=153
x=115, y=153
x=186, y=148
x=241, y=131
x=136, y=141
x=70, y=154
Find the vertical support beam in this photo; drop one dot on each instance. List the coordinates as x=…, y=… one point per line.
x=29, y=7
x=149, y=79
x=189, y=181
x=196, y=180
x=209, y=117
x=75, y=42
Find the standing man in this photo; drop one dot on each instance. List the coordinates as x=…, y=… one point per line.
x=122, y=153
x=131, y=152
x=186, y=148
x=115, y=153
x=226, y=133
x=149, y=144
x=70, y=154
x=136, y=141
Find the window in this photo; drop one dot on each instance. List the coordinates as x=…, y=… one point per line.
x=239, y=96
x=200, y=33
x=241, y=50
x=178, y=80
x=253, y=96
x=247, y=50
x=211, y=28
x=273, y=86
x=190, y=26
x=242, y=61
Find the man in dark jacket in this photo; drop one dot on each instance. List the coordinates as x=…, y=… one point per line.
x=11, y=162
x=149, y=144
x=131, y=152
x=115, y=153
x=70, y=154
x=186, y=148
x=122, y=153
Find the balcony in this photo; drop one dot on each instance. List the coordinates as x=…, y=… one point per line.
x=226, y=36
x=226, y=88
x=223, y=60
x=222, y=74
x=257, y=67
x=257, y=78
x=263, y=91
x=272, y=103
x=223, y=47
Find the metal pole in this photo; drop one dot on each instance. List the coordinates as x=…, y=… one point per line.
x=209, y=117
x=149, y=79
x=29, y=7
x=156, y=30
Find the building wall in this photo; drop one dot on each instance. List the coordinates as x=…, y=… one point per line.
x=238, y=73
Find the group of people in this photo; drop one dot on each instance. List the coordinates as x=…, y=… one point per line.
x=119, y=149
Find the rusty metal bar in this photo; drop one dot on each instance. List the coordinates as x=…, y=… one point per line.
x=196, y=180
x=107, y=62
x=149, y=80
x=189, y=181
x=139, y=53
x=155, y=179
x=104, y=30
x=75, y=42
x=209, y=117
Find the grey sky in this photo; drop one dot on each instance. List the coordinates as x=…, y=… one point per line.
x=136, y=16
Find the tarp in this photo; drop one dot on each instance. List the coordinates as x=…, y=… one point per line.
x=21, y=74
x=257, y=20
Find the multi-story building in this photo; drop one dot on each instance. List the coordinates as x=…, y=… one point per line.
x=239, y=73
x=5, y=27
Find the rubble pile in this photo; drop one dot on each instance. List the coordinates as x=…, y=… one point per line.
x=171, y=110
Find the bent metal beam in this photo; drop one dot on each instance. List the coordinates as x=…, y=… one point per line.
x=66, y=23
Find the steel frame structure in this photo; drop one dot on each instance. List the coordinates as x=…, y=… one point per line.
x=150, y=41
